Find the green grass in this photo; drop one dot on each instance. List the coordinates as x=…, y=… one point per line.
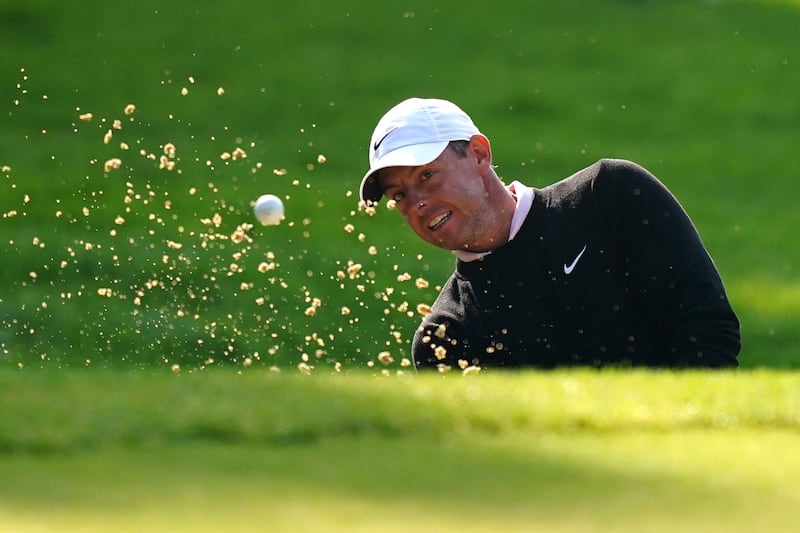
x=565, y=451
x=553, y=482
x=702, y=93
x=98, y=434
x=113, y=407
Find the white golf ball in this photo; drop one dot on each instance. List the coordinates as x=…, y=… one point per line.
x=269, y=210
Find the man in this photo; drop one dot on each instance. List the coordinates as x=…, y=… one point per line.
x=603, y=268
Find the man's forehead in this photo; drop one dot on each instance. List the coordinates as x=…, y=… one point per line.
x=386, y=177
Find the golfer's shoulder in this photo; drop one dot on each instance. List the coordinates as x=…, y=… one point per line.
x=583, y=182
x=614, y=172
x=607, y=176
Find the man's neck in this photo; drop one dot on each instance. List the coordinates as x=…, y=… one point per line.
x=521, y=199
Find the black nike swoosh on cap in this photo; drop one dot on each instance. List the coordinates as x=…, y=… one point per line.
x=378, y=143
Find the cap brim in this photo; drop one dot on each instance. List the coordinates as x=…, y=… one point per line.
x=407, y=156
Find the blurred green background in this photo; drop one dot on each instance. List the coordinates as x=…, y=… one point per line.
x=143, y=265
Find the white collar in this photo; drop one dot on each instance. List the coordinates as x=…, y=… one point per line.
x=524, y=197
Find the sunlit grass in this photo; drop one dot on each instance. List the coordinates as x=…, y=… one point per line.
x=135, y=383
x=702, y=98
x=52, y=411
x=556, y=451
x=769, y=298
x=708, y=480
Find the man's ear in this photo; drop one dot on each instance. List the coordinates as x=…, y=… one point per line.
x=481, y=148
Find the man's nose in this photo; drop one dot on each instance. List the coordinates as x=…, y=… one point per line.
x=416, y=200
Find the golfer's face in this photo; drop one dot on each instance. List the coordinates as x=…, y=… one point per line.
x=442, y=201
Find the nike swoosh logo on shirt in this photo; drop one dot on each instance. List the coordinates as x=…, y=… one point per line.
x=569, y=268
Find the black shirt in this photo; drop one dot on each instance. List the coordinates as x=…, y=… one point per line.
x=607, y=269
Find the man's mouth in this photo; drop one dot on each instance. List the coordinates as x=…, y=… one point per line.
x=437, y=222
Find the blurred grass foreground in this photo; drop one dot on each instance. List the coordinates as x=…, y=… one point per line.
x=135, y=137
x=222, y=449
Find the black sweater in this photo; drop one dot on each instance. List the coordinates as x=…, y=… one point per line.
x=607, y=269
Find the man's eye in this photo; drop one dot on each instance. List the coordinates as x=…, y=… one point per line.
x=427, y=174
x=397, y=196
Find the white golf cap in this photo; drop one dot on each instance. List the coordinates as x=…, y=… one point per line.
x=412, y=133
